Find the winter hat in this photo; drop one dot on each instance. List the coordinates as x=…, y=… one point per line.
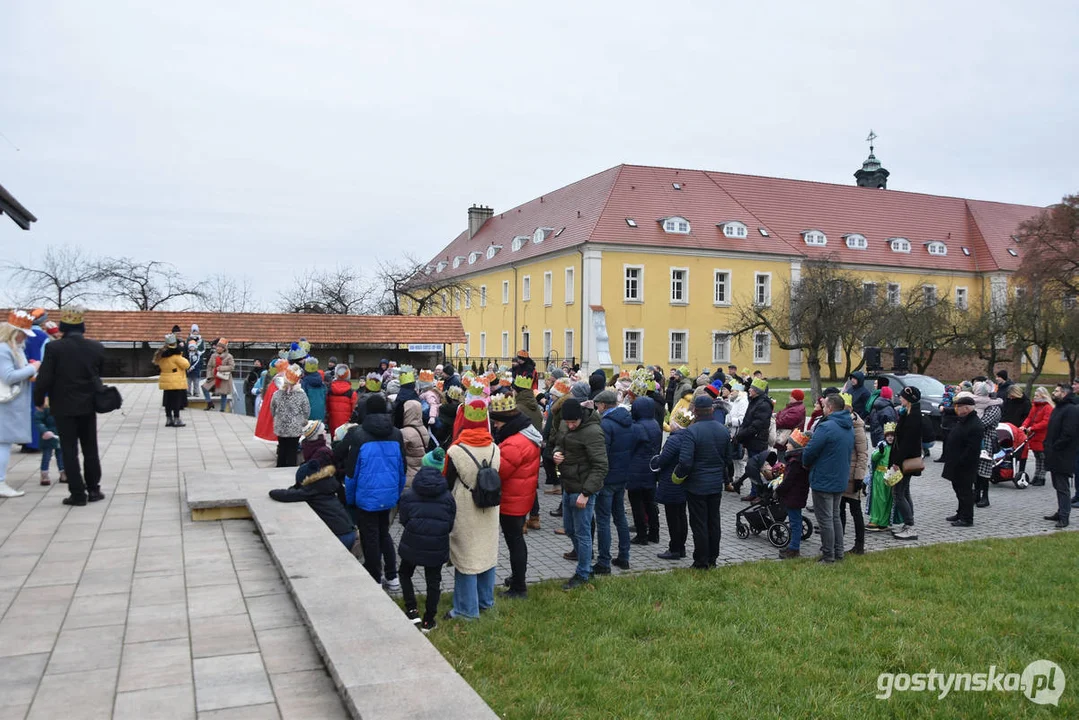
x=963, y=398
x=799, y=439
x=295, y=352
x=798, y=394
x=571, y=409
x=504, y=407
x=703, y=380
x=561, y=387
x=425, y=380
x=761, y=384
x=711, y=392
x=523, y=381
x=435, y=459
x=194, y=328
x=913, y=394
x=52, y=329
x=448, y=369
x=393, y=387
x=293, y=374
x=886, y=393
x=310, y=365
x=313, y=429
x=455, y=392
x=557, y=374
x=341, y=371
x=889, y=428
x=581, y=390
x=684, y=371
x=831, y=391
x=607, y=397
x=376, y=404
x=407, y=375
x=597, y=381
x=475, y=413
x=373, y=383
x=170, y=340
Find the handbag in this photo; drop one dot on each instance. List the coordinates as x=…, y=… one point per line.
x=107, y=398
x=9, y=392
x=223, y=375
x=913, y=465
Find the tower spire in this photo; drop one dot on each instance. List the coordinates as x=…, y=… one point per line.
x=872, y=173
x=869, y=139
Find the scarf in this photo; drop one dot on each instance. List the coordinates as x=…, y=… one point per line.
x=983, y=403
x=474, y=437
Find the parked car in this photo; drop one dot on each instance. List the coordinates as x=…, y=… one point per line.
x=932, y=393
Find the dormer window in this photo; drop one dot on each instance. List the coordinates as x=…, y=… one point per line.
x=519, y=242
x=937, y=248
x=440, y=266
x=856, y=241
x=492, y=251
x=457, y=261
x=675, y=224
x=474, y=256
x=734, y=229
x=899, y=244
x=427, y=270
x=815, y=237
x=541, y=234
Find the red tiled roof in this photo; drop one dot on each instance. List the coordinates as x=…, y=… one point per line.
x=785, y=208
x=134, y=326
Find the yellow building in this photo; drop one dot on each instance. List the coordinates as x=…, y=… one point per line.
x=647, y=265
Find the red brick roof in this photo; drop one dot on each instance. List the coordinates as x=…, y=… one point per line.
x=595, y=209
x=133, y=326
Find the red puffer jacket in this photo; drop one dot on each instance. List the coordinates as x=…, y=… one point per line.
x=339, y=404
x=1038, y=421
x=519, y=470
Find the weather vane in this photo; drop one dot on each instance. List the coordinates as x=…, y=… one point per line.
x=871, y=137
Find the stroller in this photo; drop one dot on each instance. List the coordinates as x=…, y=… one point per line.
x=1013, y=447
x=770, y=517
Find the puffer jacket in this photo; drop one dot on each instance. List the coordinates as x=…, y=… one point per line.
x=859, y=460
x=585, y=451
x=45, y=422
x=753, y=433
x=1015, y=410
x=793, y=492
x=791, y=417
x=426, y=511
x=290, y=409
x=433, y=399
x=617, y=427
x=1038, y=421
x=416, y=439
x=859, y=394
x=883, y=412
x=406, y=393
x=667, y=492
x=317, y=486
x=519, y=442
x=828, y=453
x=340, y=402
x=315, y=389
x=173, y=369
x=373, y=458
x=1062, y=436
x=527, y=404
x=647, y=440
x=703, y=458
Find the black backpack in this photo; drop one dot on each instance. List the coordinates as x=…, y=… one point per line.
x=488, y=490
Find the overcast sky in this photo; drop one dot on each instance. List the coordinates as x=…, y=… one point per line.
x=262, y=138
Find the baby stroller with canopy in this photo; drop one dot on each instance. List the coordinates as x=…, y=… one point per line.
x=1013, y=444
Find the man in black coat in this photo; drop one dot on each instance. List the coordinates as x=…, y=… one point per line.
x=753, y=433
x=70, y=375
x=961, y=457
x=1061, y=446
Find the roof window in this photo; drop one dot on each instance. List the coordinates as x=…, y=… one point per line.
x=966, y=251
x=541, y=234
x=1012, y=252
x=763, y=232
x=457, y=261
x=492, y=251
x=519, y=242
x=631, y=222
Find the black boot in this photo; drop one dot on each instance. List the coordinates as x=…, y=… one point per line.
x=557, y=512
x=983, y=493
x=168, y=421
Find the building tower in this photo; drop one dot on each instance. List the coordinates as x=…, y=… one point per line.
x=872, y=174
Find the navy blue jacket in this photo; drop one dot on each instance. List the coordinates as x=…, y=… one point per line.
x=703, y=459
x=859, y=395
x=427, y=512
x=647, y=440
x=883, y=412
x=667, y=492
x=406, y=393
x=828, y=453
x=617, y=427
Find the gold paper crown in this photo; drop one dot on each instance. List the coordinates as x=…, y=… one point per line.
x=889, y=428
x=624, y=375
x=477, y=386
x=503, y=403
x=426, y=376
x=476, y=411
x=847, y=399
x=293, y=374
x=73, y=315
x=407, y=375
x=456, y=392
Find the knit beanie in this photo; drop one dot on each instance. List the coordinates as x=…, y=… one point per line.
x=376, y=403
x=561, y=387
x=313, y=429
x=581, y=390
x=571, y=409
x=435, y=459
x=798, y=394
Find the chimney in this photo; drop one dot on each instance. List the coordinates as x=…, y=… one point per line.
x=477, y=216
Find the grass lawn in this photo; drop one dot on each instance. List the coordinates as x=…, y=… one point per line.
x=790, y=640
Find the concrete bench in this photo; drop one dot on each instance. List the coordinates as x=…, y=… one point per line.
x=381, y=664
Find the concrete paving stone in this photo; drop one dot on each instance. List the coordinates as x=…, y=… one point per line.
x=308, y=694
x=14, y=712
x=159, y=561
x=156, y=528
x=161, y=543
x=222, y=635
x=64, y=572
x=272, y=611
x=111, y=559
x=22, y=564
x=210, y=600
x=247, y=712
x=157, y=622
x=104, y=582
x=49, y=600
x=158, y=663
x=156, y=589
x=75, y=696
x=97, y=611
x=176, y=702
x=27, y=543
x=289, y=649
x=215, y=573
x=21, y=675
x=6, y=598
x=75, y=533
x=253, y=587
x=444, y=697
x=231, y=681
x=62, y=552
x=82, y=649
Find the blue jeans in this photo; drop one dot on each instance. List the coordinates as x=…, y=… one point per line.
x=472, y=593
x=794, y=517
x=578, y=526
x=46, y=455
x=611, y=501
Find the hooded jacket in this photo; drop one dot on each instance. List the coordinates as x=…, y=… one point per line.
x=1062, y=436
x=597, y=382
x=585, y=451
x=667, y=491
x=340, y=402
x=315, y=389
x=317, y=486
x=426, y=511
x=793, y=492
x=373, y=456
x=519, y=442
x=647, y=440
x=416, y=439
x=703, y=457
x=753, y=433
x=883, y=412
x=527, y=404
x=617, y=427
x=406, y=393
x=827, y=455
x=859, y=460
x=859, y=394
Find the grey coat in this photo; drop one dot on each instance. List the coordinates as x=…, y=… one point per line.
x=15, y=415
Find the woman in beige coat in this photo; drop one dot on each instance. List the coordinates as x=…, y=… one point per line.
x=859, y=468
x=474, y=540
x=416, y=439
x=219, y=371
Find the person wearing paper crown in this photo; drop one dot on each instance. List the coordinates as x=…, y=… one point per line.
x=447, y=414
x=219, y=371
x=274, y=380
x=35, y=350
x=291, y=411
x=793, y=492
x=670, y=494
x=340, y=398
x=429, y=394
x=880, y=493
x=314, y=387
x=16, y=372
x=406, y=376
x=852, y=498
x=479, y=390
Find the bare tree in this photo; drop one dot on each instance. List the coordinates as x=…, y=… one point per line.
x=988, y=333
x=63, y=275
x=1038, y=317
x=342, y=291
x=410, y=288
x=222, y=293
x=922, y=322
x=1068, y=338
x=146, y=285
x=1050, y=243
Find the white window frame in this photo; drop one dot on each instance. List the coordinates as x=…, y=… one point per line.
x=899, y=245
x=526, y=340
x=735, y=229
x=927, y=290
x=483, y=344
x=962, y=297
x=684, y=358
x=685, y=285
x=483, y=296
x=717, y=357
x=866, y=285
x=519, y=242
x=857, y=241
x=526, y=288
x=767, y=276
x=468, y=344
x=492, y=251
x=676, y=225
x=567, y=340
x=468, y=298
x=505, y=292
x=505, y=343
x=640, y=284
x=626, y=358
x=548, y=339
x=897, y=290
x=716, y=272
x=570, y=289
x=548, y=288
x=766, y=358
x=457, y=300
x=937, y=248
x=815, y=238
